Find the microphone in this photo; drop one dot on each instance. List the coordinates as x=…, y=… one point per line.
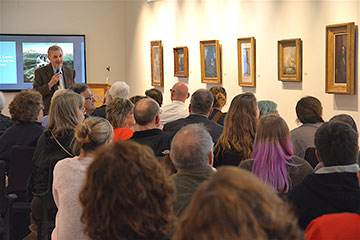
x=57, y=71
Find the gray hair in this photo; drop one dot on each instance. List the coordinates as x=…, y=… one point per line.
x=191, y=147
x=201, y=101
x=54, y=48
x=145, y=111
x=119, y=89
x=2, y=101
x=79, y=88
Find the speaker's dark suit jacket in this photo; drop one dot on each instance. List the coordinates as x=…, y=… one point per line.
x=43, y=76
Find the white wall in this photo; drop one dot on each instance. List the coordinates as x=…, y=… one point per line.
x=186, y=22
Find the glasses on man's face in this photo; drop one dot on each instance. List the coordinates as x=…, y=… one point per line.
x=172, y=90
x=83, y=110
x=91, y=97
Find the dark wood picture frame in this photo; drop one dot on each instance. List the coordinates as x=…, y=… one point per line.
x=157, y=64
x=210, y=57
x=290, y=60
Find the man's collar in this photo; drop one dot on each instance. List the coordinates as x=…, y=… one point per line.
x=351, y=168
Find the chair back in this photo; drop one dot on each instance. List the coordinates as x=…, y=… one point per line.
x=21, y=166
x=310, y=157
x=3, y=199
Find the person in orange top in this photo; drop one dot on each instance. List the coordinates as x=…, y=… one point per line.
x=119, y=112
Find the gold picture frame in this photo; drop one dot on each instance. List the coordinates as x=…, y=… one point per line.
x=340, y=58
x=210, y=61
x=181, y=62
x=246, y=62
x=290, y=60
x=157, y=64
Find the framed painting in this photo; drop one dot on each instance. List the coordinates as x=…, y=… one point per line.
x=290, y=60
x=210, y=61
x=340, y=58
x=157, y=64
x=181, y=62
x=246, y=62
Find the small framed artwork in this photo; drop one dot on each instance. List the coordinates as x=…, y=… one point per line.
x=340, y=58
x=210, y=61
x=290, y=60
x=157, y=64
x=246, y=62
x=181, y=62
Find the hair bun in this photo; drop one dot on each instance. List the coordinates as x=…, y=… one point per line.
x=82, y=133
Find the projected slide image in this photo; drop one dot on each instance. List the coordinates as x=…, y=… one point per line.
x=35, y=56
x=8, y=63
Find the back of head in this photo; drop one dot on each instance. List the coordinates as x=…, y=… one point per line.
x=26, y=106
x=2, y=101
x=136, y=98
x=337, y=144
x=180, y=91
x=234, y=204
x=92, y=133
x=346, y=119
x=145, y=111
x=267, y=107
x=119, y=89
x=79, y=88
x=309, y=110
x=63, y=113
x=201, y=102
x=219, y=95
x=191, y=147
x=155, y=94
x=112, y=209
x=117, y=111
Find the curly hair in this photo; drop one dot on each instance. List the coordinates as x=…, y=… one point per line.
x=219, y=94
x=239, y=126
x=127, y=194
x=234, y=204
x=117, y=111
x=25, y=106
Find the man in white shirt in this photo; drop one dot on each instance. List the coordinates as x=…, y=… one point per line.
x=177, y=108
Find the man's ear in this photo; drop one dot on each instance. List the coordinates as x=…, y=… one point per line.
x=317, y=156
x=188, y=95
x=211, y=159
x=190, y=108
x=157, y=119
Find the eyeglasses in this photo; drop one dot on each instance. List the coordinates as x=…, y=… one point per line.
x=172, y=90
x=89, y=97
x=83, y=110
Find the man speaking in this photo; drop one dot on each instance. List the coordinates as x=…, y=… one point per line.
x=54, y=76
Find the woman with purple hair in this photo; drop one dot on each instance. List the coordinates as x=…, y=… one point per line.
x=273, y=160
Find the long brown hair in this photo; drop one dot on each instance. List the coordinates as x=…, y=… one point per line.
x=239, y=126
x=236, y=205
x=127, y=194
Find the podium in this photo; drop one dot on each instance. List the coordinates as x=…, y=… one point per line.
x=99, y=90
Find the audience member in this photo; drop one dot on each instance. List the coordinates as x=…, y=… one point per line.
x=267, y=107
x=136, y=98
x=66, y=112
x=177, y=108
x=273, y=160
x=26, y=111
x=45, y=120
x=234, y=204
x=155, y=94
x=333, y=188
x=236, y=142
x=118, y=89
x=147, y=117
x=127, y=195
x=192, y=155
x=84, y=90
x=200, y=107
x=91, y=134
x=309, y=112
x=120, y=113
x=5, y=122
x=219, y=95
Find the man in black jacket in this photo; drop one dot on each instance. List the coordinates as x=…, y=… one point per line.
x=333, y=188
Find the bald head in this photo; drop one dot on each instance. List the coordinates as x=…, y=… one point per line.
x=145, y=111
x=179, y=92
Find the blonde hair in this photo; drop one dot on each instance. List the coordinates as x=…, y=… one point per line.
x=63, y=113
x=92, y=133
x=117, y=111
x=219, y=94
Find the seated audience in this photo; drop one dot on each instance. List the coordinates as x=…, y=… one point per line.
x=89, y=135
x=127, y=195
x=5, y=122
x=155, y=94
x=219, y=95
x=267, y=107
x=147, y=118
x=177, y=108
x=84, y=90
x=234, y=204
x=117, y=89
x=200, y=107
x=335, y=226
x=236, y=142
x=333, y=188
x=192, y=155
x=66, y=112
x=136, y=98
x=309, y=112
x=273, y=160
x=26, y=111
x=120, y=113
